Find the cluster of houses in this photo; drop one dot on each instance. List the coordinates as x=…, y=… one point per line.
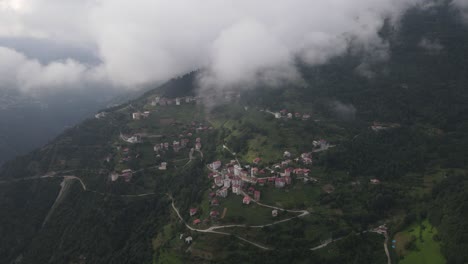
x=140, y=115
x=285, y=114
x=176, y=145
x=214, y=214
x=162, y=101
x=245, y=180
x=242, y=180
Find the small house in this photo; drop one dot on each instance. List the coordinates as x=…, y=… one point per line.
x=223, y=192
x=193, y=211
x=218, y=180
x=261, y=182
x=214, y=202
x=214, y=214
x=227, y=183
x=163, y=166
x=136, y=116
x=375, y=181
x=216, y=165
x=274, y=213
x=236, y=189
x=279, y=183
x=246, y=200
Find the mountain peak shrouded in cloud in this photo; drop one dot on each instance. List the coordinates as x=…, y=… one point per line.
x=237, y=43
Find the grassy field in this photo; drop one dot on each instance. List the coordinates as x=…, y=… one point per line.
x=253, y=214
x=297, y=196
x=416, y=245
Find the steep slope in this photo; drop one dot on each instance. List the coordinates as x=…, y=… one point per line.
x=370, y=175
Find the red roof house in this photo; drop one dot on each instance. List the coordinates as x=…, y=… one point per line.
x=246, y=200
x=214, y=214
x=193, y=211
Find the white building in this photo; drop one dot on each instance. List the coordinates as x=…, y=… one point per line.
x=236, y=189
x=114, y=176
x=227, y=183
x=100, y=115
x=163, y=166
x=133, y=139
x=237, y=170
x=136, y=116
x=216, y=165
x=223, y=192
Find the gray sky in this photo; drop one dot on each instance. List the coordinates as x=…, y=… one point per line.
x=60, y=44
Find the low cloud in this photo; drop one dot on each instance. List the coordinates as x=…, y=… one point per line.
x=29, y=75
x=462, y=5
x=343, y=111
x=236, y=43
x=432, y=46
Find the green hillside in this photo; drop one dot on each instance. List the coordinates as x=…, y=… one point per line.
x=396, y=151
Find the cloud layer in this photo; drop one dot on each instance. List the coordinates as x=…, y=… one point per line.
x=236, y=42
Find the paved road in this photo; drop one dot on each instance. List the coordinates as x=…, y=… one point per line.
x=50, y=175
x=213, y=228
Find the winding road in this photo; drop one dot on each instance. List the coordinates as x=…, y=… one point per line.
x=213, y=228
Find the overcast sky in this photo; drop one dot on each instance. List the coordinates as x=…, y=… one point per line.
x=63, y=44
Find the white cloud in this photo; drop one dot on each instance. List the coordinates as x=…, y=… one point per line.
x=432, y=46
x=29, y=75
x=463, y=6
x=237, y=42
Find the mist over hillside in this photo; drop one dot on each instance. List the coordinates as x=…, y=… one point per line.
x=350, y=149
